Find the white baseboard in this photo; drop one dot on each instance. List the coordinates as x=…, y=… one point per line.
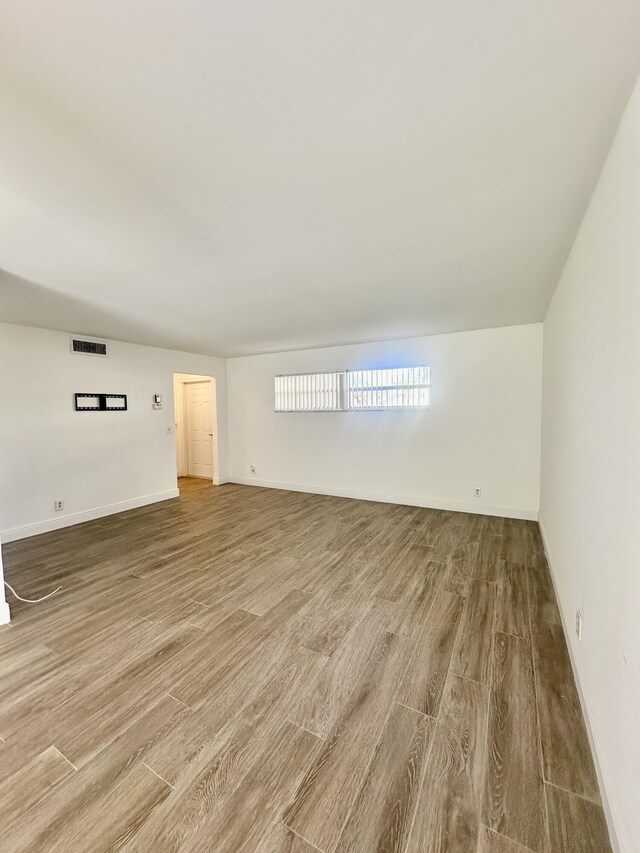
x=606, y=793
x=404, y=500
x=87, y=515
x=5, y=617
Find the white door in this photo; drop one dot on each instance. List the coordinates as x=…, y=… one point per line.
x=199, y=429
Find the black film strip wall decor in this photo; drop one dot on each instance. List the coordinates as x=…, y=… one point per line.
x=101, y=402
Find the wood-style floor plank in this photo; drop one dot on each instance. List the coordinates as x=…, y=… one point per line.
x=101, y=711
x=411, y=610
x=447, y=815
x=341, y=609
x=512, y=604
x=403, y=567
x=102, y=823
x=575, y=825
x=516, y=543
x=383, y=811
x=85, y=796
x=68, y=673
x=472, y=653
x=461, y=559
x=24, y=789
x=489, y=558
x=513, y=795
x=190, y=684
x=426, y=674
x=247, y=814
x=542, y=598
x=221, y=668
x=319, y=706
x=207, y=772
x=189, y=747
x=565, y=743
x=324, y=799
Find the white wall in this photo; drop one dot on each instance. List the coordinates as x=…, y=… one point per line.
x=482, y=429
x=590, y=502
x=96, y=462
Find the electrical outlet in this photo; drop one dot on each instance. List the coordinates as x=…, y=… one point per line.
x=578, y=624
x=252, y=468
x=58, y=505
x=477, y=492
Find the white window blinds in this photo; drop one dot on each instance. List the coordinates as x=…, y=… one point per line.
x=310, y=392
x=390, y=388
x=355, y=390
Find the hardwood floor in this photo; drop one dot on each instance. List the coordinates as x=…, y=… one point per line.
x=261, y=671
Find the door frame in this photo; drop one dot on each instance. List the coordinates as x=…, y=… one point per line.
x=180, y=382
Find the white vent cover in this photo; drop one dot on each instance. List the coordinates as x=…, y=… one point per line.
x=85, y=347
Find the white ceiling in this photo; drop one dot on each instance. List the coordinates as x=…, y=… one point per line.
x=237, y=176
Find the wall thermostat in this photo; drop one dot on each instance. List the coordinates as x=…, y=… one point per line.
x=157, y=401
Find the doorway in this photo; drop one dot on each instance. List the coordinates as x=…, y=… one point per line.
x=195, y=430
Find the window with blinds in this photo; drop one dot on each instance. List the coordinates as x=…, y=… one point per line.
x=310, y=392
x=353, y=390
x=390, y=388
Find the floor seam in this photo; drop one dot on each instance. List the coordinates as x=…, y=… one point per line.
x=175, y=699
x=507, y=838
x=144, y=764
x=60, y=753
x=306, y=840
x=572, y=793
x=415, y=710
x=304, y=729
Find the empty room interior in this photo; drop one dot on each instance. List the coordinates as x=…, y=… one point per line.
x=320, y=426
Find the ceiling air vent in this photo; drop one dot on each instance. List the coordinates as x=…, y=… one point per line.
x=88, y=347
